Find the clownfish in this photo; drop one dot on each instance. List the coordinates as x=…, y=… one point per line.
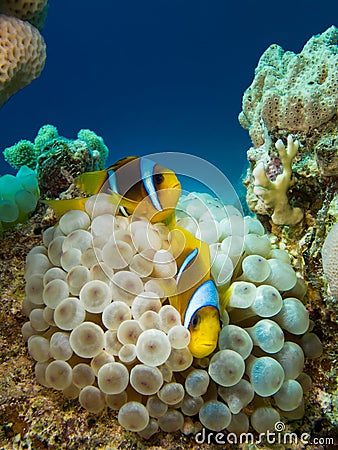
x=137, y=185
x=197, y=297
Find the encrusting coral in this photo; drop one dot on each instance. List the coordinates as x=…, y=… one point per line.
x=100, y=327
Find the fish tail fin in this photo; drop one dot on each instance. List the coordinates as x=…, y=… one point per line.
x=60, y=207
x=174, y=301
x=91, y=182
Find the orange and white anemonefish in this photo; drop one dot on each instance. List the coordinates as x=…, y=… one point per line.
x=196, y=298
x=137, y=185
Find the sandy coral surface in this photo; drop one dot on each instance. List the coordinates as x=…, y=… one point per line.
x=34, y=417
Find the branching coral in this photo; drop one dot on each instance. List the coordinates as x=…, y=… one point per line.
x=274, y=193
x=22, y=154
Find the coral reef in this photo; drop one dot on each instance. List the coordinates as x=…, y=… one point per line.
x=58, y=160
x=294, y=96
x=100, y=327
x=18, y=197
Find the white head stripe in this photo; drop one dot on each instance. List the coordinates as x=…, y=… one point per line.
x=147, y=172
x=205, y=295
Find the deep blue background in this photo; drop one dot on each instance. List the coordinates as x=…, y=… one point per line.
x=157, y=75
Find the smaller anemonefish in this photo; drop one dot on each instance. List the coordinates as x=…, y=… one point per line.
x=197, y=298
x=137, y=185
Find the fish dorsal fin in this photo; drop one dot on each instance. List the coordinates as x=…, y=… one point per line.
x=121, y=162
x=205, y=295
x=186, y=263
x=91, y=182
x=147, y=172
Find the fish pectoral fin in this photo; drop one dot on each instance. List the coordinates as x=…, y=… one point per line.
x=175, y=302
x=119, y=200
x=60, y=207
x=170, y=221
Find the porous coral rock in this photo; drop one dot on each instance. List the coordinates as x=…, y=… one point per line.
x=294, y=92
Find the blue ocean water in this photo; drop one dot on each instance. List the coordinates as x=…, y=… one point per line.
x=157, y=75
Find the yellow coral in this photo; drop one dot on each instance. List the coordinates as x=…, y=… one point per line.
x=32, y=11
x=22, y=55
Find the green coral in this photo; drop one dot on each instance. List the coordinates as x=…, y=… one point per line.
x=21, y=154
x=96, y=144
x=48, y=140
x=45, y=134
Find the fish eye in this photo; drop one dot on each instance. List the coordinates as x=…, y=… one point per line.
x=195, y=320
x=158, y=178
